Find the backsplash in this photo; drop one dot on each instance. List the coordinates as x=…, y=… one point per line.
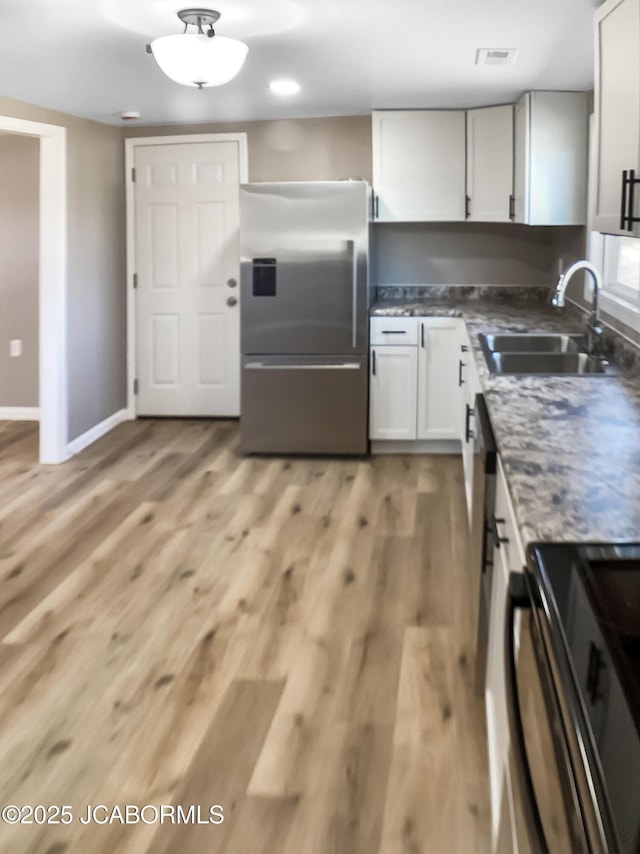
x=616, y=346
x=463, y=293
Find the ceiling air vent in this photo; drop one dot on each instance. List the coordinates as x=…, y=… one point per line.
x=495, y=55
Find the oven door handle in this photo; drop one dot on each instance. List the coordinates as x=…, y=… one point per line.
x=518, y=599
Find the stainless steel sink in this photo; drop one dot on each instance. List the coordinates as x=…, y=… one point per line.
x=525, y=343
x=548, y=353
x=547, y=363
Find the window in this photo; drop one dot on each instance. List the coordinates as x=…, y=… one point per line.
x=621, y=268
x=619, y=260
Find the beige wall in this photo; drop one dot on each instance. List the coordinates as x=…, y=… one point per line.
x=326, y=149
x=96, y=297
x=19, y=211
x=334, y=148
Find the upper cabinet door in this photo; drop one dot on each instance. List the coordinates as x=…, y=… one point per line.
x=551, y=144
x=419, y=165
x=490, y=163
x=617, y=113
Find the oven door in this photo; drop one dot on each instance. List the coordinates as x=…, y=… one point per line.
x=546, y=815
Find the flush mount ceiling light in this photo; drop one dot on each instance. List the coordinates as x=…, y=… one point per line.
x=199, y=59
x=284, y=87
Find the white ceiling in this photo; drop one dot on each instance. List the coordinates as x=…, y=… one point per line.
x=87, y=57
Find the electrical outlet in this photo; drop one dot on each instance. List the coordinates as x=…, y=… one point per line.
x=15, y=348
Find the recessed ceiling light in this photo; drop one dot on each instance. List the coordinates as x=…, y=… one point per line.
x=284, y=87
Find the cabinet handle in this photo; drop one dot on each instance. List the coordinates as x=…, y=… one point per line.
x=632, y=188
x=464, y=348
x=467, y=207
x=512, y=208
x=422, y=335
x=594, y=670
x=623, y=205
x=394, y=332
x=461, y=365
x=497, y=539
x=373, y=362
x=468, y=432
x=376, y=206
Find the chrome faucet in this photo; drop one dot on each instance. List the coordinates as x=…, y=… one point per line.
x=594, y=330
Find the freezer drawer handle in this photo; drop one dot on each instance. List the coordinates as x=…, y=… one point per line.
x=265, y=366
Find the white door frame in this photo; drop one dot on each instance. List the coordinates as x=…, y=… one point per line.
x=52, y=284
x=130, y=151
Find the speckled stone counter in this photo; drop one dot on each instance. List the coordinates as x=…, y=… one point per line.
x=569, y=446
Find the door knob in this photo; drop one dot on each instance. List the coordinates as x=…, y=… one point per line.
x=232, y=301
x=232, y=283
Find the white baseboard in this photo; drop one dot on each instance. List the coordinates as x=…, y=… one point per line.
x=96, y=432
x=19, y=413
x=431, y=446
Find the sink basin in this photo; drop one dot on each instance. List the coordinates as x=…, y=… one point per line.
x=547, y=353
x=525, y=343
x=547, y=363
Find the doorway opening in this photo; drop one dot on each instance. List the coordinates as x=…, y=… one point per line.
x=52, y=268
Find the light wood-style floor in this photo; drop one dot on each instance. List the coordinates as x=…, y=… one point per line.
x=287, y=638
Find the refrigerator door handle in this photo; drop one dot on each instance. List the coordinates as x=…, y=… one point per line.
x=265, y=366
x=354, y=293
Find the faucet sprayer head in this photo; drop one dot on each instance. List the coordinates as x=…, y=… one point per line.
x=558, y=296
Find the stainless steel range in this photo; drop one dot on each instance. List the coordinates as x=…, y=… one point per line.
x=578, y=616
x=304, y=317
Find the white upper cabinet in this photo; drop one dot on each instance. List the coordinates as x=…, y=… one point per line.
x=490, y=164
x=617, y=114
x=419, y=165
x=551, y=144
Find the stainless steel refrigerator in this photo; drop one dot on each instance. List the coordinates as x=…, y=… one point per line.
x=304, y=317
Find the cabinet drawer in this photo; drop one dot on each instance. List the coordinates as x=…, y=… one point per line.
x=392, y=331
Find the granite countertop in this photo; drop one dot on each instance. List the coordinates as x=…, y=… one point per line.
x=569, y=446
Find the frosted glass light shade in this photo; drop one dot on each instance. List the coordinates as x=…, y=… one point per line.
x=194, y=59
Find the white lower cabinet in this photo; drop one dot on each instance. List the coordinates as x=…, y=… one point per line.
x=393, y=402
x=466, y=413
x=439, y=381
x=508, y=557
x=415, y=383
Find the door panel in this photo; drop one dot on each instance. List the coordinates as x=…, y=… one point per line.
x=304, y=405
x=419, y=164
x=617, y=108
x=187, y=250
x=312, y=309
x=394, y=373
x=315, y=239
x=165, y=349
x=210, y=349
x=490, y=163
x=163, y=250
x=439, y=393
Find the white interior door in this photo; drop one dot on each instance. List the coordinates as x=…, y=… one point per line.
x=187, y=265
